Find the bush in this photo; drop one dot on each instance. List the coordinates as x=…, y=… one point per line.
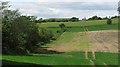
x=63, y=27
x=109, y=21
x=23, y=35
x=59, y=32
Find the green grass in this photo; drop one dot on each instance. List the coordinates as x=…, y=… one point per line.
x=73, y=24
x=65, y=37
x=92, y=25
x=70, y=58
x=49, y=59
x=94, y=28
x=108, y=58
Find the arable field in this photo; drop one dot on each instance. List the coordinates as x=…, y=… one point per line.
x=98, y=41
x=84, y=43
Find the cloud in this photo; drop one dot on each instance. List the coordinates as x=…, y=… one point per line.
x=77, y=0
x=19, y=0
x=66, y=9
x=99, y=1
x=86, y=5
x=54, y=10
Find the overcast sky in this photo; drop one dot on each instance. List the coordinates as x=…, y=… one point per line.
x=66, y=8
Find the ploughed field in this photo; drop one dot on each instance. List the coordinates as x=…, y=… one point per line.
x=98, y=41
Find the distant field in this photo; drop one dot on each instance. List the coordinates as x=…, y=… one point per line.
x=83, y=23
x=79, y=26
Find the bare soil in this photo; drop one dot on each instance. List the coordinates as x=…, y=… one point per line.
x=103, y=41
x=97, y=41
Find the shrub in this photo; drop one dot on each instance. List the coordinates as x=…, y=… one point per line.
x=63, y=27
x=109, y=21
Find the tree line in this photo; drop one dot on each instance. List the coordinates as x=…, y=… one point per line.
x=99, y=18
x=73, y=19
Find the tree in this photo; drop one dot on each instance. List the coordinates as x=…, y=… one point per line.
x=40, y=20
x=21, y=34
x=63, y=27
x=28, y=32
x=74, y=19
x=4, y=5
x=114, y=17
x=7, y=35
x=32, y=18
x=95, y=18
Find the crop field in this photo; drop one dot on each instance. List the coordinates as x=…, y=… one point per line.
x=84, y=43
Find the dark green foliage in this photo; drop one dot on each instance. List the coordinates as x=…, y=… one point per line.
x=23, y=35
x=29, y=31
x=59, y=32
x=20, y=33
x=114, y=17
x=99, y=18
x=45, y=35
x=95, y=18
x=63, y=27
x=109, y=21
x=74, y=19
x=39, y=21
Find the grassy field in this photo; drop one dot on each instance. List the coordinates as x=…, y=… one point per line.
x=83, y=23
x=92, y=25
x=68, y=39
x=70, y=58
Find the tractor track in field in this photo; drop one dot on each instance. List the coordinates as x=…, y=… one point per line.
x=86, y=51
x=93, y=50
x=104, y=41
x=92, y=63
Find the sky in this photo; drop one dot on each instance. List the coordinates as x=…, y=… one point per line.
x=66, y=8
